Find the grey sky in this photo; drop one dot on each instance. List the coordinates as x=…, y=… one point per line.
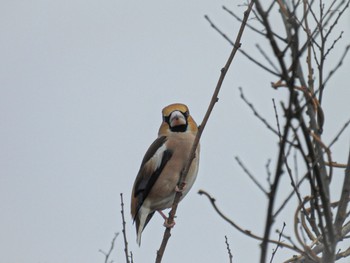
x=82, y=85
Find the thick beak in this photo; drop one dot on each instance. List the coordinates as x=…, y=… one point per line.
x=176, y=119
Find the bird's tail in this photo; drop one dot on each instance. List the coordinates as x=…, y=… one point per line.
x=141, y=220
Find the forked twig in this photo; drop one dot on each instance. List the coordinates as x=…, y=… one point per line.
x=108, y=254
x=278, y=245
x=240, y=50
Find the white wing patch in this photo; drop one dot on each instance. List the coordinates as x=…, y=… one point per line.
x=156, y=160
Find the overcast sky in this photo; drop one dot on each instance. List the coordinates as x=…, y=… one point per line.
x=82, y=85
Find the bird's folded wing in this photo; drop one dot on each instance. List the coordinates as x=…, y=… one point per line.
x=152, y=165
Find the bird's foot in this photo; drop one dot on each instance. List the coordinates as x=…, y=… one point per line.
x=169, y=225
x=166, y=223
x=162, y=214
x=181, y=188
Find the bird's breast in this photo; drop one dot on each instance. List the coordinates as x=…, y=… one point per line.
x=163, y=191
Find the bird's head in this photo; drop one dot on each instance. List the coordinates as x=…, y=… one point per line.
x=177, y=118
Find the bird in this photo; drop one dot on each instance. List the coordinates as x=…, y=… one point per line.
x=157, y=181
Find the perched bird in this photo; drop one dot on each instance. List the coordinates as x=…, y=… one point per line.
x=156, y=183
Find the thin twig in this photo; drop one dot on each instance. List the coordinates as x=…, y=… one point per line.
x=244, y=231
x=108, y=254
x=320, y=247
x=256, y=113
x=240, y=20
x=266, y=57
x=340, y=63
x=240, y=50
x=344, y=200
x=126, y=251
x=333, y=44
x=228, y=249
x=339, y=133
x=268, y=171
x=279, y=240
x=256, y=182
x=277, y=120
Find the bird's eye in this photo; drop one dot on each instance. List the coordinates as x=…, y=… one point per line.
x=166, y=119
x=186, y=114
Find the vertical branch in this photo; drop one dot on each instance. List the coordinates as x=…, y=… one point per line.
x=322, y=191
x=322, y=50
x=228, y=249
x=270, y=36
x=278, y=245
x=214, y=99
x=289, y=115
x=343, y=202
x=309, y=41
x=274, y=186
x=126, y=251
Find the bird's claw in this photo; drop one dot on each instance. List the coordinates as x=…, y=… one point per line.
x=169, y=225
x=181, y=188
x=166, y=223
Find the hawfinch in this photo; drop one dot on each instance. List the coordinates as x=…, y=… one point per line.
x=156, y=183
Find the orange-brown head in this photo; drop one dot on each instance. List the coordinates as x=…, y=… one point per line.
x=177, y=118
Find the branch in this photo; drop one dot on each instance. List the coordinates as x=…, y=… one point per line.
x=107, y=254
x=214, y=99
x=343, y=202
x=340, y=63
x=315, y=152
x=228, y=249
x=271, y=37
x=256, y=113
x=244, y=231
x=240, y=50
x=124, y=230
x=256, y=182
x=278, y=245
x=320, y=248
x=339, y=133
x=263, y=53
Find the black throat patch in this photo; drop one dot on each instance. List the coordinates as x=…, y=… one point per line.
x=179, y=128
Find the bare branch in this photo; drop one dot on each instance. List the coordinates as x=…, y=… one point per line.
x=320, y=248
x=240, y=50
x=214, y=99
x=267, y=57
x=340, y=63
x=256, y=113
x=126, y=251
x=108, y=254
x=339, y=133
x=333, y=44
x=256, y=182
x=240, y=20
x=268, y=171
x=340, y=14
x=228, y=250
x=278, y=245
x=244, y=231
x=343, y=202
